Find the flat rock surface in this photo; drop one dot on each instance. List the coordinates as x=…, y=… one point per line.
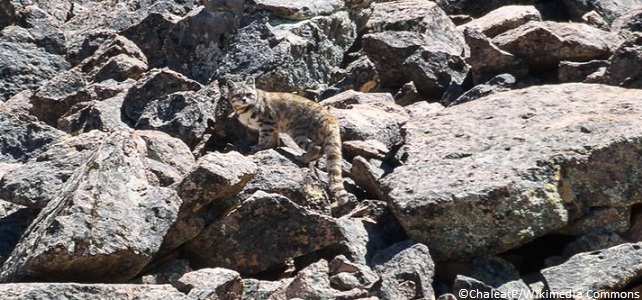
x=492, y=174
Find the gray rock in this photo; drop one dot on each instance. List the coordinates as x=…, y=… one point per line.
x=255, y=289
x=366, y=149
x=278, y=174
x=183, y=115
x=499, y=83
x=167, y=272
x=604, y=270
x=545, y=44
x=415, y=41
x=407, y=270
x=593, y=241
x=168, y=158
x=300, y=9
x=366, y=174
x=503, y=19
x=471, y=7
x=71, y=291
x=26, y=66
x=367, y=116
x=215, y=284
x=569, y=71
x=207, y=192
x=106, y=224
x=360, y=75
x=56, y=96
x=283, y=229
x=22, y=137
x=628, y=23
x=312, y=282
x=346, y=275
x=101, y=112
x=154, y=84
x=194, y=45
x=625, y=59
x=466, y=287
x=607, y=9
x=289, y=56
x=14, y=220
x=521, y=174
x=40, y=180
x=487, y=60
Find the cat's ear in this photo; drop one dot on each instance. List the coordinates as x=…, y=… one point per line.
x=230, y=84
x=250, y=81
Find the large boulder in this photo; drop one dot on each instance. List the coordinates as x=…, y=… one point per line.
x=105, y=225
x=414, y=40
x=289, y=56
x=609, y=10
x=262, y=233
x=489, y=175
x=542, y=45
x=69, y=291
x=22, y=137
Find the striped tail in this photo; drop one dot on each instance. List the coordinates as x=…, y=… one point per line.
x=332, y=149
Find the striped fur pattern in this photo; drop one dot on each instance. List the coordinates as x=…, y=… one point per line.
x=310, y=125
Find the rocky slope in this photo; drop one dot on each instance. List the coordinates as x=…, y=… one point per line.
x=495, y=147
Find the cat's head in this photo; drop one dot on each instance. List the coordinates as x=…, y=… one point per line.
x=241, y=94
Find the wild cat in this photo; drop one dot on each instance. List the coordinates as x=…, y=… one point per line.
x=310, y=125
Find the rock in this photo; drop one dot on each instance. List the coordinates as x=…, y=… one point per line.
x=367, y=116
x=208, y=189
x=422, y=110
x=40, y=180
x=277, y=174
x=102, y=112
x=503, y=19
x=499, y=83
x=487, y=60
x=360, y=75
x=69, y=291
x=493, y=271
x=284, y=229
x=168, y=158
x=569, y=71
x=154, y=84
x=299, y=9
x=311, y=283
x=544, y=44
x=604, y=270
x=607, y=9
x=626, y=58
x=600, y=218
x=87, y=20
x=466, y=287
x=182, y=115
x=118, y=58
x=471, y=7
x=166, y=273
x=346, y=276
x=362, y=239
x=534, y=176
x=366, y=149
x=408, y=95
x=56, y=96
x=14, y=220
x=26, y=66
x=593, y=241
x=105, y=225
x=634, y=233
x=401, y=40
x=289, y=56
x=194, y=45
x=23, y=137
x=406, y=271
x=628, y=23
x=367, y=174
x=255, y=289
x=215, y=283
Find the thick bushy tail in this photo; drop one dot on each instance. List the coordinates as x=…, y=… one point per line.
x=332, y=149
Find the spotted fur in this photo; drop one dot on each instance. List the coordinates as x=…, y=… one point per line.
x=310, y=125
